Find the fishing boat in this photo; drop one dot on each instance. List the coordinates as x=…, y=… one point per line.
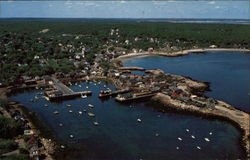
x=91, y=105
x=91, y=114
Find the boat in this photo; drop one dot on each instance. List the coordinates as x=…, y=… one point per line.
x=192, y=136
x=96, y=123
x=47, y=98
x=80, y=112
x=45, y=105
x=55, y=112
x=85, y=110
x=180, y=139
x=198, y=147
x=60, y=124
x=91, y=105
x=71, y=136
x=139, y=120
x=91, y=114
x=68, y=105
x=84, y=96
x=157, y=134
x=210, y=133
x=206, y=139
x=177, y=148
x=70, y=111
x=87, y=86
x=187, y=130
x=79, y=86
x=37, y=87
x=36, y=97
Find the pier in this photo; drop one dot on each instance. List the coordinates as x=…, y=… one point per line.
x=135, y=97
x=110, y=93
x=62, y=92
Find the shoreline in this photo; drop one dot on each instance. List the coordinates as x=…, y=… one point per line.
x=177, y=53
x=224, y=111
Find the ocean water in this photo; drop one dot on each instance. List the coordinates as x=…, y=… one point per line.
x=120, y=137
x=227, y=72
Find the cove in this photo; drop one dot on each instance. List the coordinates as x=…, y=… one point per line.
x=120, y=136
x=227, y=72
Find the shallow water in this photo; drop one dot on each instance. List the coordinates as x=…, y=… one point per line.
x=227, y=72
x=120, y=136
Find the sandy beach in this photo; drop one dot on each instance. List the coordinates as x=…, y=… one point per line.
x=179, y=53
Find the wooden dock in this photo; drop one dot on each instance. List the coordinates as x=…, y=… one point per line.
x=114, y=93
x=134, y=98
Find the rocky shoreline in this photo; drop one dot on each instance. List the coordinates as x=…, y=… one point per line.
x=222, y=111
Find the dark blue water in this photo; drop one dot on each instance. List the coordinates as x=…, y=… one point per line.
x=121, y=137
x=227, y=72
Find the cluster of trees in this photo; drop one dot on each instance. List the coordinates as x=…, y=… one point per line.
x=19, y=47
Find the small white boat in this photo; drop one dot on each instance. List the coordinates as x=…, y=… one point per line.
x=70, y=111
x=180, y=139
x=91, y=114
x=91, y=105
x=68, y=105
x=96, y=123
x=60, y=124
x=192, y=136
x=84, y=96
x=87, y=86
x=198, y=147
x=95, y=84
x=45, y=105
x=187, y=130
x=37, y=87
x=47, y=98
x=85, y=110
x=104, y=86
x=157, y=134
x=36, y=97
x=210, y=133
x=62, y=146
x=139, y=120
x=80, y=112
x=177, y=148
x=79, y=86
x=71, y=136
x=55, y=112
x=206, y=139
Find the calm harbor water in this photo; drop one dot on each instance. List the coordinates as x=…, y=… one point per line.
x=120, y=136
x=227, y=72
